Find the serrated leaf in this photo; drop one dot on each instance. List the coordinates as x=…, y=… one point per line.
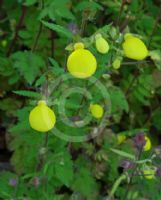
x=64, y=169
x=143, y=91
x=40, y=81
x=61, y=9
x=118, y=99
x=87, y=4
x=141, y=98
x=28, y=64
x=59, y=29
x=84, y=183
x=56, y=68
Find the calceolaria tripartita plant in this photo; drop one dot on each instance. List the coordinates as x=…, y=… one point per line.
x=80, y=100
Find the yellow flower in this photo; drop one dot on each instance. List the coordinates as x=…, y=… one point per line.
x=116, y=63
x=96, y=110
x=42, y=118
x=147, y=145
x=149, y=173
x=134, y=48
x=102, y=45
x=121, y=138
x=81, y=63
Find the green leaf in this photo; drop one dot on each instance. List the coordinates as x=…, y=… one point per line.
x=24, y=34
x=87, y=4
x=29, y=2
x=40, y=80
x=27, y=93
x=84, y=183
x=6, y=190
x=59, y=29
x=64, y=169
x=28, y=64
x=143, y=87
x=122, y=153
x=56, y=68
x=61, y=9
x=5, y=67
x=118, y=99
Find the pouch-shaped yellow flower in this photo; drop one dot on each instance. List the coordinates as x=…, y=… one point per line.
x=81, y=62
x=147, y=145
x=102, y=45
x=121, y=138
x=149, y=173
x=134, y=48
x=96, y=110
x=42, y=118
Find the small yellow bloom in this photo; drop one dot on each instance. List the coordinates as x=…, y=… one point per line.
x=42, y=118
x=116, y=63
x=96, y=110
x=121, y=138
x=81, y=62
x=149, y=173
x=102, y=45
x=147, y=145
x=134, y=48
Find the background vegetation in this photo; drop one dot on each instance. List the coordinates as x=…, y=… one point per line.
x=36, y=38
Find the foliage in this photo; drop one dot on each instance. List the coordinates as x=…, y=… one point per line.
x=36, y=37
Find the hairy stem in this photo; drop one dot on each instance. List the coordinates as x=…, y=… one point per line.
x=133, y=174
x=116, y=185
x=131, y=85
x=37, y=38
x=120, y=12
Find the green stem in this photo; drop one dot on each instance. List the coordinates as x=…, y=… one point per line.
x=120, y=11
x=133, y=173
x=116, y=185
x=83, y=24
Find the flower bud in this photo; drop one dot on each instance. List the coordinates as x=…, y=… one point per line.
x=13, y=182
x=139, y=141
x=36, y=181
x=96, y=110
x=149, y=173
x=147, y=145
x=126, y=164
x=102, y=45
x=116, y=63
x=73, y=28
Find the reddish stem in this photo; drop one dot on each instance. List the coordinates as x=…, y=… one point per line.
x=18, y=27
